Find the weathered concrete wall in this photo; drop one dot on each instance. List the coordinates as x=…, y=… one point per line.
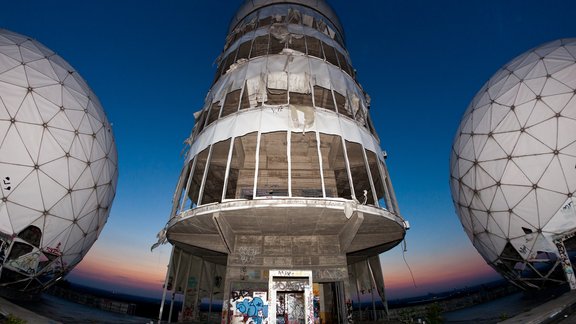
x=254, y=255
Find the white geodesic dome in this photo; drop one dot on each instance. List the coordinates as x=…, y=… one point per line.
x=58, y=165
x=512, y=167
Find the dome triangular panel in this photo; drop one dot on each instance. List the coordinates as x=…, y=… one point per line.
x=20, y=216
x=57, y=170
x=15, y=76
x=63, y=208
x=549, y=203
x=37, y=79
x=513, y=175
x=553, y=87
x=566, y=127
x=533, y=166
x=28, y=111
x=568, y=167
x=13, y=150
x=514, y=194
x=51, y=191
x=12, y=97
x=28, y=193
x=558, y=102
x=566, y=76
x=538, y=71
x=7, y=62
x=499, y=202
x=529, y=145
x=553, y=178
x=50, y=149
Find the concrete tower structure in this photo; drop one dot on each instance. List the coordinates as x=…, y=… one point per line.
x=284, y=202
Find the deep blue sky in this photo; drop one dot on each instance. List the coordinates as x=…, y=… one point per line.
x=151, y=63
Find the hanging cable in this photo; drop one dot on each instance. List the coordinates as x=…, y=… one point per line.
x=406, y=262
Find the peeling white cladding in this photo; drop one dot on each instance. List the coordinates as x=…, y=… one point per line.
x=285, y=117
x=513, y=160
x=58, y=164
x=253, y=9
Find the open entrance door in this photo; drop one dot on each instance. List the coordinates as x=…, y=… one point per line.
x=291, y=293
x=328, y=304
x=290, y=307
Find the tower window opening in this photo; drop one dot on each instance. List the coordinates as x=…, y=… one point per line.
x=200, y=122
x=245, y=99
x=314, y=47
x=260, y=46
x=229, y=61
x=377, y=179
x=301, y=99
x=334, y=167
x=360, y=178
x=341, y=104
x=276, y=96
x=197, y=175
x=275, y=46
x=273, y=165
x=242, y=167
x=244, y=51
x=323, y=98
x=214, y=112
x=330, y=53
x=305, y=165
x=266, y=21
x=181, y=188
x=297, y=43
x=344, y=64
x=231, y=103
x=214, y=183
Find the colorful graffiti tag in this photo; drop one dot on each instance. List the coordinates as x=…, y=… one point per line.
x=247, y=309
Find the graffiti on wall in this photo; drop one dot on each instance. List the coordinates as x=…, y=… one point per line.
x=6, y=184
x=26, y=263
x=248, y=309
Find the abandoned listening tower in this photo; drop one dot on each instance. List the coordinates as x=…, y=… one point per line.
x=284, y=202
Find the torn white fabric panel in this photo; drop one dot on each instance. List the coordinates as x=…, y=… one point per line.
x=247, y=122
x=281, y=118
x=280, y=32
x=219, y=90
x=239, y=76
x=338, y=79
x=274, y=119
x=308, y=20
x=327, y=122
x=319, y=69
x=236, y=65
x=278, y=80
x=299, y=64
x=368, y=141
x=294, y=16
x=350, y=130
x=277, y=63
x=202, y=141
x=256, y=88
x=302, y=118
x=224, y=128
x=299, y=82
